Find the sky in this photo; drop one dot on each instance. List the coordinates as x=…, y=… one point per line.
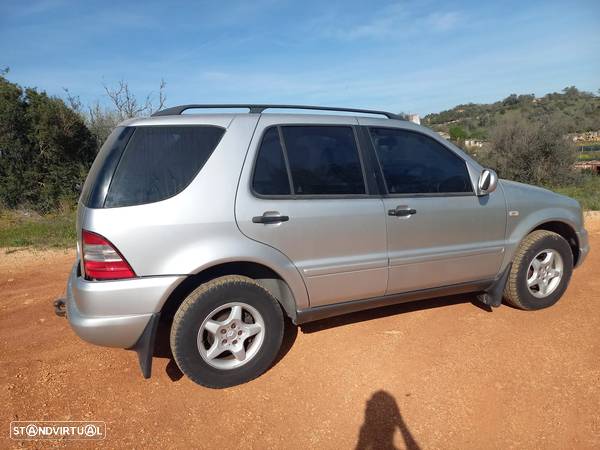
x=403, y=56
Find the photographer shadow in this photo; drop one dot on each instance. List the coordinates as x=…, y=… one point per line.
x=382, y=419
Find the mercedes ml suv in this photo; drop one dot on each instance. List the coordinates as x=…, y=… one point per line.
x=235, y=221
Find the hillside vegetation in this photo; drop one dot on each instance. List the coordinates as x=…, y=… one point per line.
x=579, y=111
x=45, y=149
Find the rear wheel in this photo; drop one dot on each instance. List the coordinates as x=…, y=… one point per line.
x=227, y=332
x=541, y=271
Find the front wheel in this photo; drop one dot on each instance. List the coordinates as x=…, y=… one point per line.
x=226, y=332
x=541, y=271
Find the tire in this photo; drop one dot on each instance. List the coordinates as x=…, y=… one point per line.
x=214, y=357
x=541, y=294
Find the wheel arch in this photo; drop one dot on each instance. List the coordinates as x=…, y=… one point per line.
x=566, y=231
x=265, y=276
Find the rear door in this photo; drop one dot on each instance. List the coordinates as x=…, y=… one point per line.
x=439, y=232
x=304, y=192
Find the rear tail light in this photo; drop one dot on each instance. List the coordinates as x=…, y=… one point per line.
x=101, y=260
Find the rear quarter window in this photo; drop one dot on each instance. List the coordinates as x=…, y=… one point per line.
x=159, y=162
x=98, y=178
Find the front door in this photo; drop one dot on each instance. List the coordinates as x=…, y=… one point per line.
x=303, y=192
x=439, y=232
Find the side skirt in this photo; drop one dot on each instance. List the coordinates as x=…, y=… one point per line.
x=338, y=309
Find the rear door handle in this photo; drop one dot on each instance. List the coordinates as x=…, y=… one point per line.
x=270, y=217
x=402, y=211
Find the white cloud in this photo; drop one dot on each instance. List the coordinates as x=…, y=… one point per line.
x=444, y=21
x=387, y=22
x=393, y=21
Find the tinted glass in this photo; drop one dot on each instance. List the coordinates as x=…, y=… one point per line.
x=323, y=160
x=98, y=178
x=159, y=162
x=270, y=174
x=413, y=163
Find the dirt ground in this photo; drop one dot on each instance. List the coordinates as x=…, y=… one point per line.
x=443, y=373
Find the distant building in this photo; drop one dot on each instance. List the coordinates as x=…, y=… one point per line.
x=444, y=135
x=593, y=166
x=587, y=136
x=414, y=118
x=473, y=143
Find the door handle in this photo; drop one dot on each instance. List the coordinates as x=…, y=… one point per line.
x=270, y=217
x=402, y=211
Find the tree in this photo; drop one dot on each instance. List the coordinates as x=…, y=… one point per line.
x=101, y=120
x=531, y=152
x=15, y=148
x=46, y=149
x=127, y=104
x=571, y=91
x=512, y=99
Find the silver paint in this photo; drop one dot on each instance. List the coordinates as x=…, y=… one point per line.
x=331, y=250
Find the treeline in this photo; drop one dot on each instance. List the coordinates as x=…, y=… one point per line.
x=47, y=144
x=46, y=149
x=578, y=110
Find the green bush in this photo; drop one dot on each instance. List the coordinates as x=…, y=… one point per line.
x=457, y=133
x=45, y=149
x=531, y=152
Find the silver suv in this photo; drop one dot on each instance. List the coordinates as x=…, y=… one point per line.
x=235, y=221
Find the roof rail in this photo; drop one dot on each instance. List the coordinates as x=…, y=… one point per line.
x=257, y=109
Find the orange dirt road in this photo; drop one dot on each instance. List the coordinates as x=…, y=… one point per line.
x=443, y=373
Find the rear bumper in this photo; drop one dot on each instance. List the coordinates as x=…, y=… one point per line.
x=115, y=313
x=584, y=246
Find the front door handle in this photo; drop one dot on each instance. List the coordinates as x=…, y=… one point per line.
x=270, y=217
x=402, y=211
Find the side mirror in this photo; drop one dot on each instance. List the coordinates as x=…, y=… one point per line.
x=488, y=181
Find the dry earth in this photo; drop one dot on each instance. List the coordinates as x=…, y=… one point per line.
x=443, y=373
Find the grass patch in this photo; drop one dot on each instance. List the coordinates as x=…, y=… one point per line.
x=588, y=156
x=586, y=191
x=28, y=229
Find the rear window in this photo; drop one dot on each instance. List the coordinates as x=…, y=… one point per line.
x=159, y=162
x=98, y=179
x=270, y=173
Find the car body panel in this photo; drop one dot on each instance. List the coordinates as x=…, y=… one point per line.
x=449, y=240
x=338, y=244
x=195, y=229
x=111, y=328
x=340, y=250
x=531, y=206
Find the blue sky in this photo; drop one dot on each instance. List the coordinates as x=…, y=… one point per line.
x=411, y=56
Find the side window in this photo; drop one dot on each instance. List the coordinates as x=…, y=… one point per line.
x=270, y=173
x=413, y=163
x=323, y=160
x=160, y=162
